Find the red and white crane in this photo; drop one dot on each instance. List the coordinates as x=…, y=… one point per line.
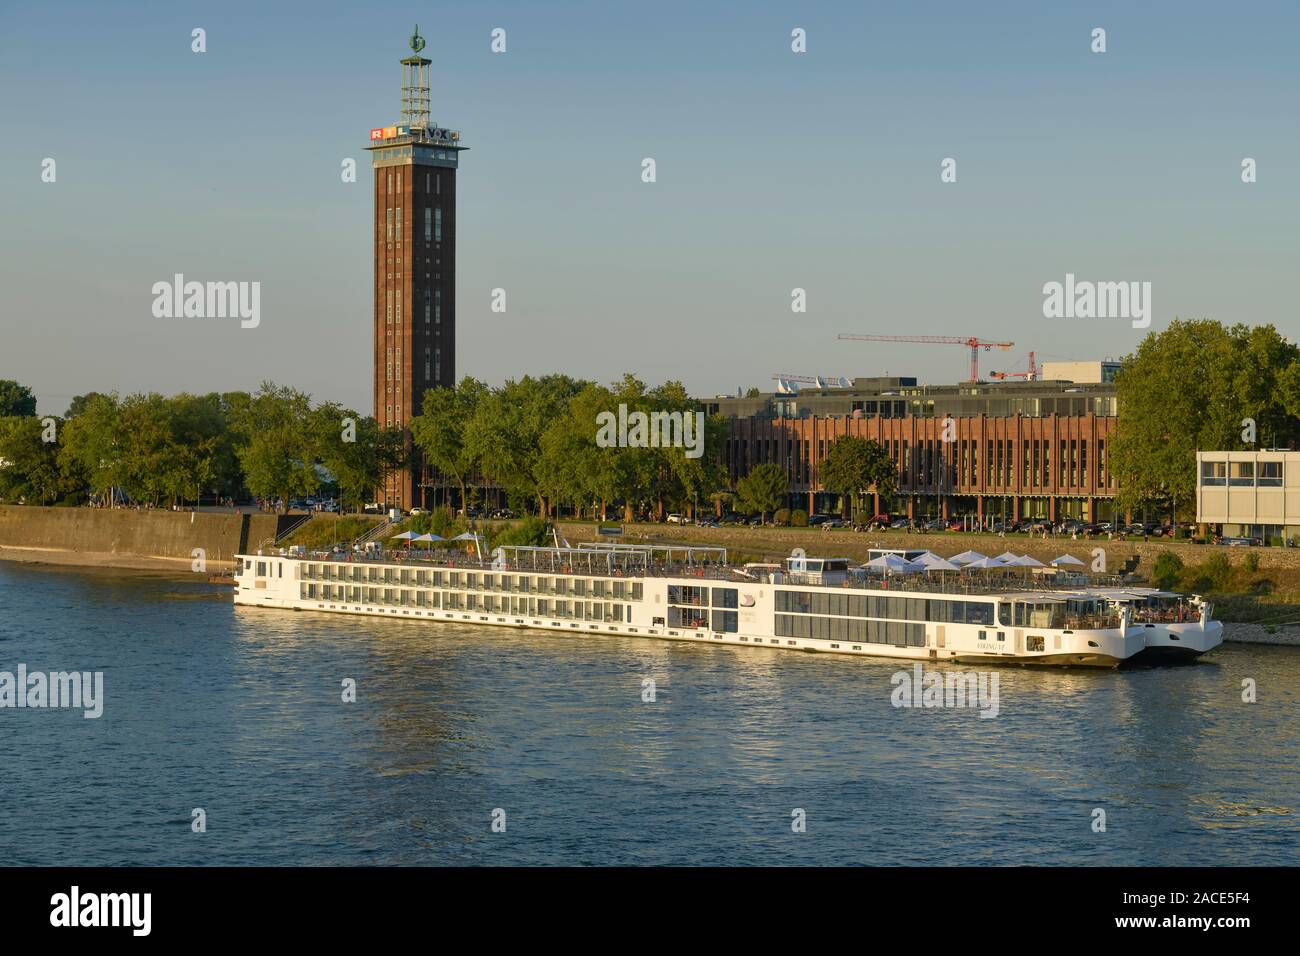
x=972, y=343
x=1029, y=376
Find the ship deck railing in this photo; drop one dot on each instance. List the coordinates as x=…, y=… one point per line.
x=979, y=582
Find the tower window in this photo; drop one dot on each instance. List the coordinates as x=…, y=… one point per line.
x=399, y=223
x=428, y=223
x=390, y=224
x=437, y=225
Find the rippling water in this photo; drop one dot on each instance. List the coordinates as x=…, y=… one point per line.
x=239, y=711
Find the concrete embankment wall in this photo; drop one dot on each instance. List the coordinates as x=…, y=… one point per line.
x=128, y=538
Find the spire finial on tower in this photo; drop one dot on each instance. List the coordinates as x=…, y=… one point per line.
x=415, y=84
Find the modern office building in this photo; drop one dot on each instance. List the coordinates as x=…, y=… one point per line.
x=415, y=165
x=1034, y=449
x=1249, y=494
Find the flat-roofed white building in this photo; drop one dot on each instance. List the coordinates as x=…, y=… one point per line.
x=1249, y=494
x=1081, y=372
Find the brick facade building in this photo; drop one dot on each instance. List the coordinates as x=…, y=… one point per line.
x=1052, y=466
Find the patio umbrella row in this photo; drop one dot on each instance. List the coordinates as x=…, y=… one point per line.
x=929, y=561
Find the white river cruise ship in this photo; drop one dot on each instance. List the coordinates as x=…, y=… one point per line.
x=692, y=594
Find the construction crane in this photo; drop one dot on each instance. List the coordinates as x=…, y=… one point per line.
x=789, y=384
x=1030, y=376
x=971, y=343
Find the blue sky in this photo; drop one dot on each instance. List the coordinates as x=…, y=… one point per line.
x=775, y=171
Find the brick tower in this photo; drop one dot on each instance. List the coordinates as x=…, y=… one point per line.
x=415, y=265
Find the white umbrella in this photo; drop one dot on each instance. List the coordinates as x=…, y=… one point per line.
x=1008, y=557
x=428, y=538
x=1066, y=559
x=892, y=562
x=933, y=562
x=404, y=536
x=967, y=557
x=986, y=564
x=1026, y=561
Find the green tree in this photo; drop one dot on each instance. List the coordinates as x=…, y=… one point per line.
x=854, y=466
x=279, y=456
x=348, y=446
x=29, y=463
x=764, y=489
x=79, y=404
x=15, y=399
x=1191, y=387
x=1167, y=571
x=92, y=444
x=441, y=430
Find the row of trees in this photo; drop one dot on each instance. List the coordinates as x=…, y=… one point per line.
x=536, y=438
x=1197, y=385
x=155, y=449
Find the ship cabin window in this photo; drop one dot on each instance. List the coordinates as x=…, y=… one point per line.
x=725, y=597
x=725, y=621
x=685, y=594
x=687, y=617
x=261, y=569
x=1036, y=613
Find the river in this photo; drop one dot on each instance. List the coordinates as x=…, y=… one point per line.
x=239, y=712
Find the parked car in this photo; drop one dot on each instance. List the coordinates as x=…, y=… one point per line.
x=900, y=524
x=815, y=520
x=674, y=518
x=881, y=519
x=709, y=522
x=955, y=524
x=935, y=524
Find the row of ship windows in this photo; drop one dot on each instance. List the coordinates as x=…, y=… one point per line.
x=453, y=601
x=848, y=629
x=898, y=608
x=471, y=580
